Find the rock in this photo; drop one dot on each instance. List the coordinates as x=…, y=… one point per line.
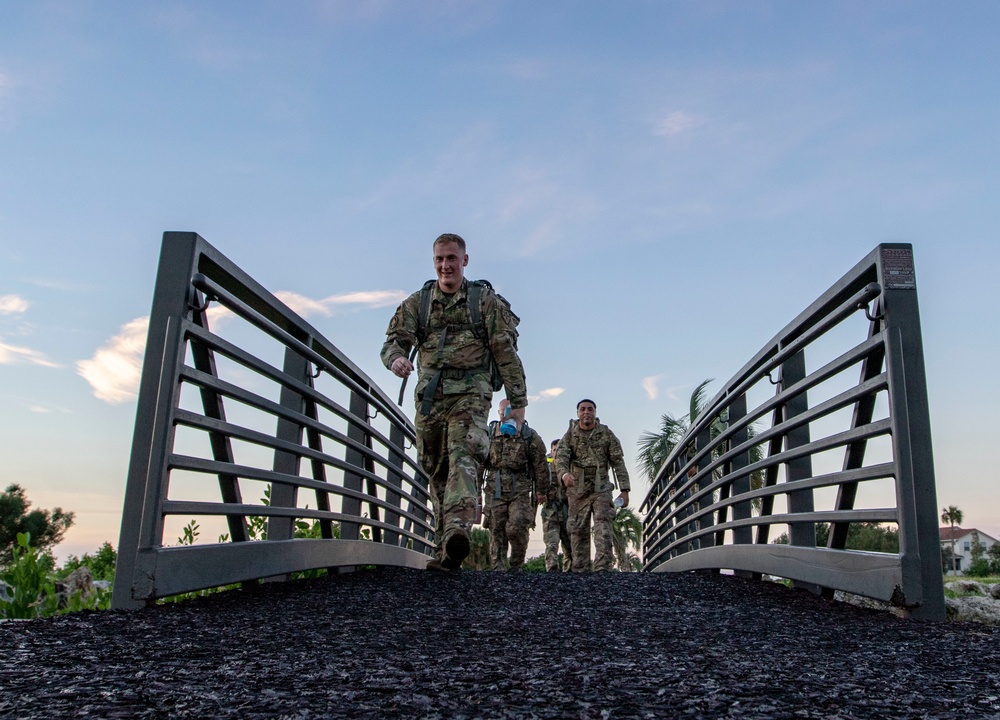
x=973, y=609
x=5, y=592
x=995, y=591
x=79, y=581
x=967, y=587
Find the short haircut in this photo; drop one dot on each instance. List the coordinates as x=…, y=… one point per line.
x=586, y=400
x=553, y=444
x=450, y=238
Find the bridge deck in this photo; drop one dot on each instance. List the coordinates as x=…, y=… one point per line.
x=403, y=643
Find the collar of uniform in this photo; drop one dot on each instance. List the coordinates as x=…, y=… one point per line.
x=449, y=300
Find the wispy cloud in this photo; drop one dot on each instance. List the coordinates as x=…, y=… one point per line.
x=675, y=123
x=305, y=306
x=114, y=370
x=547, y=394
x=12, y=305
x=651, y=385
x=14, y=354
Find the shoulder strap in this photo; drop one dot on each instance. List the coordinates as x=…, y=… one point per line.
x=476, y=288
x=424, y=315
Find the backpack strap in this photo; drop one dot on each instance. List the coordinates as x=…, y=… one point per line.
x=474, y=303
x=424, y=314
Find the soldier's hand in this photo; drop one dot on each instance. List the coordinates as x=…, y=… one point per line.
x=401, y=367
x=517, y=416
x=624, y=497
x=568, y=480
x=539, y=499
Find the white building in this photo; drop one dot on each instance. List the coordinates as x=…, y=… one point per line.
x=963, y=544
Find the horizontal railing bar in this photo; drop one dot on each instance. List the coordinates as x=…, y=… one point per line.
x=839, y=364
x=209, y=287
x=216, y=467
x=190, y=419
x=871, y=472
x=188, y=507
x=848, y=397
x=251, y=362
x=862, y=432
x=235, y=392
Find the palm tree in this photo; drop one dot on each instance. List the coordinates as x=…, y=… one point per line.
x=655, y=447
x=626, y=530
x=953, y=516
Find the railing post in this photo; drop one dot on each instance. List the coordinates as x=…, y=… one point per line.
x=802, y=534
x=352, y=481
x=916, y=498
x=295, y=367
x=172, y=296
x=741, y=510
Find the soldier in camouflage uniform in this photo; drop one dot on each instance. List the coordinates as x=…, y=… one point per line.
x=454, y=390
x=514, y=474
x=555, y=514
x=585, y=453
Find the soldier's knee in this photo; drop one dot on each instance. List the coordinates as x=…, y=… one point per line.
x=477, y=443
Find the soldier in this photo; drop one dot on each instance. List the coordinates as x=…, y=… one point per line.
x=466, y=340
x=555, y=513
x=514, y=474
x=585, y=453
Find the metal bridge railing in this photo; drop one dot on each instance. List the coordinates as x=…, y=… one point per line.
x=260, y=405
x=782, y=445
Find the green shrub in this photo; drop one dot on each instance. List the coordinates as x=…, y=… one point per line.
x=32, y=592
x=980, y=567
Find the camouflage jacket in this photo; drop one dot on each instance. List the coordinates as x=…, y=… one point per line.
x=513, y=460
x=555, y=494
x=462, y=358
x=589, y=454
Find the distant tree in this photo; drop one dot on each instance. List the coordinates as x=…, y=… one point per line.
x=953, y=516
x=994, y=553
x=45, y=527
x=870, y=537
x=626, y=532
x=976, y=547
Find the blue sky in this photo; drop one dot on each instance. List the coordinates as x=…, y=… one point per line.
x=658, y=188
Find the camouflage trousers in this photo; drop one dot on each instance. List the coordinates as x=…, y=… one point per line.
x=452, y=441
x=511, y=516
x=583, y=505
x=555, y=530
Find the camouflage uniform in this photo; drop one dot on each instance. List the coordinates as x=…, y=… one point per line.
x=514, y=470
x=453, y=366
x=587, y=455
x=555, y=514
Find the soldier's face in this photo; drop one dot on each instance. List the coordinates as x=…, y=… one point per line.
x=586, y=414
x=449, y=264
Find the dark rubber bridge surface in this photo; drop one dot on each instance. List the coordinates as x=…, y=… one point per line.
x=414, y=644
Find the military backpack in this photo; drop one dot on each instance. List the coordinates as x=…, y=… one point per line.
x=477, y=289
